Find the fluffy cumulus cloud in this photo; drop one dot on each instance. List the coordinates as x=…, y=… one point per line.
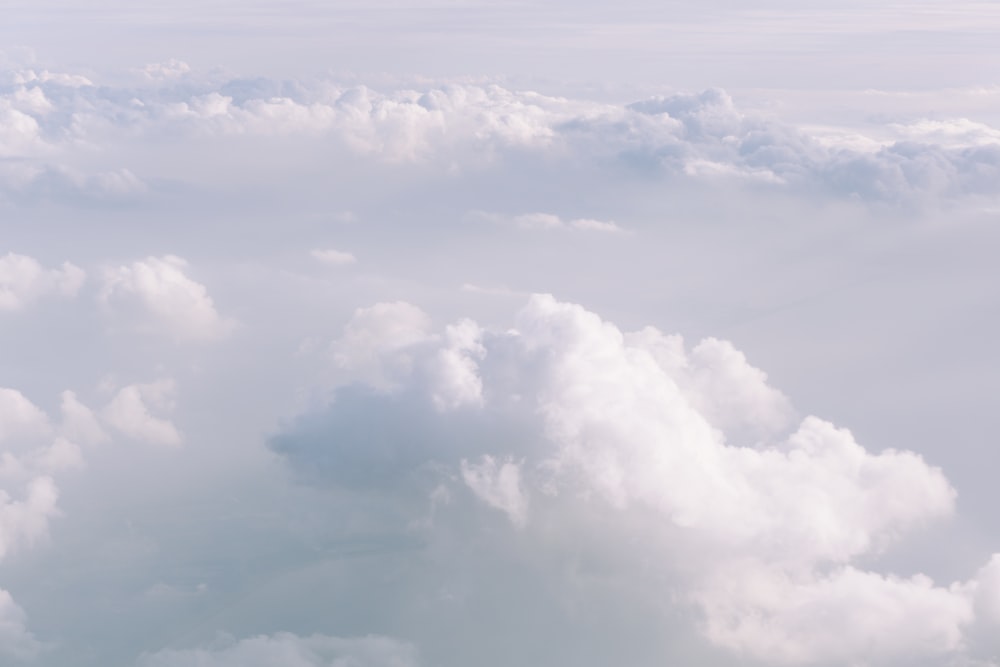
x=19, y=417
x=33, y=448
x=378, y=344
x=16, y=642
x=79, y=423
x=23, y=280
x=155, y=296
x=704, y=136
x=705, y=465
x=129, y=413
x=36, y=449
x=288, y=650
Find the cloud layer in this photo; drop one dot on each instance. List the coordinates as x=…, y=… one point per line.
x=704, y=136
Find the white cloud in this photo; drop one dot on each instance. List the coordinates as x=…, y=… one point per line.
x=58, y=78
x=28, y=500
x=61, y=455
x=24, y=522
x=718, y=381
x=19, y=417
x=334, y=257
x=637, y=436
x=129, y=412
x=23, y=280
x=845, y=617
x=171, y=69
x=15, y=640
x=79, y=423
x=704, y=136
x=377, y=344
x=288, y=650
x=455, y=379
x=499, y=486
x=19, y=132
x=951, y=133
x=30, y=100
x=768, y=520
x=550, y=221
x=156, y=296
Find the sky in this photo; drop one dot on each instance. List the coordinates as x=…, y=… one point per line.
x=489, y=333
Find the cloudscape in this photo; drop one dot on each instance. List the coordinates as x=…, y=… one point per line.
x=488, y=333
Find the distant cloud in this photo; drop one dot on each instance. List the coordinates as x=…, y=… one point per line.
x=23, y=280
x=377, y=343
x=334, y=257
x=171, y=69
x=549, y=221
x=16, y=642
x=34, y=450
x=701, y=135
x=155, y=296
x=19, y=417
x=492, y=291
x=79, y=423
x=130, y=413
x=498, y=485
x=288, y=650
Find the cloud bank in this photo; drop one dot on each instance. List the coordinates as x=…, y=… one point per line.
x=702, y=136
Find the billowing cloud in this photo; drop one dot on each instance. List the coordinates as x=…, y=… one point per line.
x=767, y=519
x=155, y=296
x=289, y=650
x=23, y=280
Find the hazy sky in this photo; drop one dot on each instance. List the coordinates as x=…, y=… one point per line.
x=482, y=334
